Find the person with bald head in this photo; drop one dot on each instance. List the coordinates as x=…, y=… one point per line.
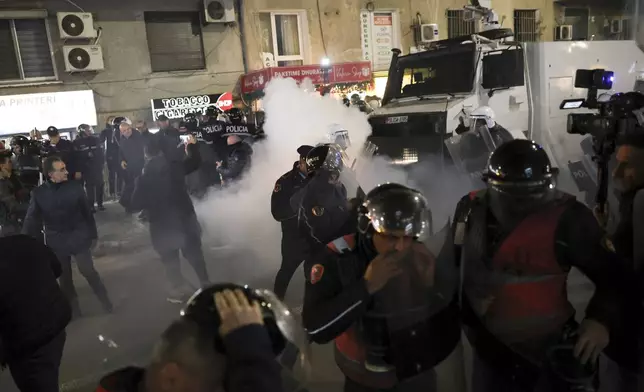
x=237, y=162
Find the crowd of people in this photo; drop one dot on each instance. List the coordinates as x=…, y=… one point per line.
x=392, y=293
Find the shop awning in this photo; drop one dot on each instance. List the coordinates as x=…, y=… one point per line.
x=254, y=82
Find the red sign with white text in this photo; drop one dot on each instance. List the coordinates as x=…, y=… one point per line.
x=225, y=101
x=356, y=72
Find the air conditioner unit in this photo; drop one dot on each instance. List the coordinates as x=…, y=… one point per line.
x=563, y=33
x=76, y=25
x=428, y=32
x=616, y=26
x=83, y=58
x=219, y=11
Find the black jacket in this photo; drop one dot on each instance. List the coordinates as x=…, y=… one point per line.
x=33, y=309
x=111, y=137
x=14, y=200
x=89, y=155
x=250, y=366
x=285, y=187
x=132, y=152
x=323, y=210
x=64, y=149
x=237, y=162
x=161, y=191
x=64, y=212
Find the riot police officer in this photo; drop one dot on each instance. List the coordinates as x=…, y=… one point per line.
x=26, y=161
x=517, y=240
x=89, y=155
x=294, y=247
x=322, y=205
x=236, y=116
x=389, y=302
x=200, y=180
x=226, y=340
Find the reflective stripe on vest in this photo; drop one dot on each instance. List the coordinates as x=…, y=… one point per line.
x=524, y=294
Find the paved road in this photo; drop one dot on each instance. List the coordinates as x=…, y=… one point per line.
x=98, y=343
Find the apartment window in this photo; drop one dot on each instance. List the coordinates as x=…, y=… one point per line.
x=459, y=23
x=281, y=35
x=526, y=25
x=174, y=41
x=25, y=51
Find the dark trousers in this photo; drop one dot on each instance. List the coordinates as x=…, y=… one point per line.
x=38, y=372
x=192, y=252
x=85, y=265
x=115, y=179
x=292, y=257
x=129, y=180
x=94, y=188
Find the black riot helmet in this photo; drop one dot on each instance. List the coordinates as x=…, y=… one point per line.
x=327, y=157
x=117, y=121
x=211, y=111
x=520, y=179
x=278, y=320
x=235, y=116
x=52, y=131
x=19, y=141
x=395, y=209
x=191, y=122
x=520, y=167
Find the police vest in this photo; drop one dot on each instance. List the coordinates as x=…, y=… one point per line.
x=415, y=340
x=519, y=293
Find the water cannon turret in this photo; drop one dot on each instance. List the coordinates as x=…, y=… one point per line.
x=482, y=10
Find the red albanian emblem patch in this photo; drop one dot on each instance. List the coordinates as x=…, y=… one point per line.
x=316, y=273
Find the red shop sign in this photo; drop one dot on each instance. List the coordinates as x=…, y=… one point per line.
x=355, y=72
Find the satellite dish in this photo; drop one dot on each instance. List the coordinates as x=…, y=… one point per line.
x=72, y=25
x=216, y=10
x=78, y=58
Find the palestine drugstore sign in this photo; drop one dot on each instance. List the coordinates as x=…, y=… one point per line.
x=176, y=108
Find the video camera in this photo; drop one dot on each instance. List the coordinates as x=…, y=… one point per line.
x=620, y=115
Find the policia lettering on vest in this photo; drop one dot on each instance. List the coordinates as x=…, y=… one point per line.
x=389, y=302
x=516, y=242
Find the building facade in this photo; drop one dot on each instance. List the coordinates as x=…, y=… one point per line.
x=150, y=49
x=155, y=50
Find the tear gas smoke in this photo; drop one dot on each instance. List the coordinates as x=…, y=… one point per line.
x=240, y=215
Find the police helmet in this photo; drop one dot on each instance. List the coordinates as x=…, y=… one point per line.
x=211, y=111
x=191, y=121
x=118, y=120
x=235, y=115
x=520, y=167
x=19, y=141
x=396, y=209
x=278, y=320
x=52, y=131
x=324, y=157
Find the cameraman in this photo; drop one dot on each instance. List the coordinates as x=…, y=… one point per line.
x=623, y=370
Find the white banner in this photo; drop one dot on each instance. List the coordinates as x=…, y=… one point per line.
x=69, y=109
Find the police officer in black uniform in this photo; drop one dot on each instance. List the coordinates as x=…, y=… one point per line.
x=206, y=175
x=517, y=241
x=322, y=205
x=26, y=160
x=89, y=155
x=62, y=148
x=294, y=247
x=110, y=137
x=390, y=305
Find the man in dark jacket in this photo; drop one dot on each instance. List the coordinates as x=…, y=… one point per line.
x=294, y=246
x=70, y=230
x=132, y=161
x=185, y=359
x=33, y=313
x=110, y=138
x=237, y=162
x=90, y=159
x=174, y=228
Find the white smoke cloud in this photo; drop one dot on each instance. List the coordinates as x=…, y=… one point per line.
x=295, y=115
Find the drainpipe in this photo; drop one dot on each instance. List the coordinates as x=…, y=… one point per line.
x=242, y=33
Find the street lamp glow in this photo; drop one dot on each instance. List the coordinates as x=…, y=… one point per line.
x=325, y=62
